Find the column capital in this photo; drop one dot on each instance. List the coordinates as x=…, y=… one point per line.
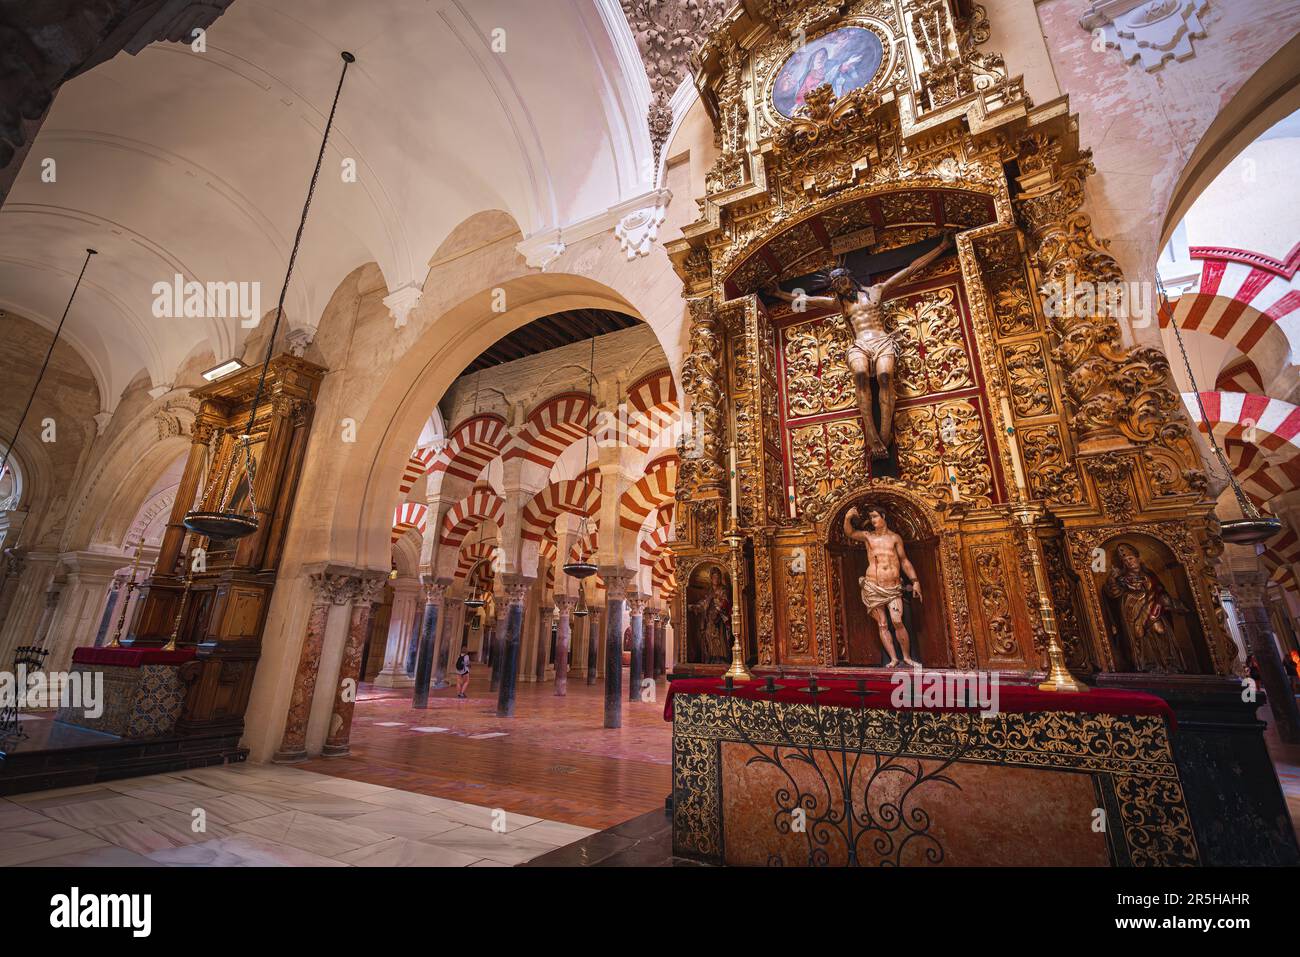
x=516, y=588
x=617, y=581
x=369, y=590
x=636, y=604
x=564, y=605
x=434, y=593
x=332, y=585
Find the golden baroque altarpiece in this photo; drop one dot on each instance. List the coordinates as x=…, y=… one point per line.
x=1026, y=435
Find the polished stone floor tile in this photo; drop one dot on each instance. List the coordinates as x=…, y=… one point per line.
x=311, y=832
x=406, y=824
x=402, y=852
x=119, y=807
x=553, y=832
x=97, y=857
x=478, y=843
x=241, y=850
x=43, y=850
x=36, y=832
x=160, y=832
x=13, y=815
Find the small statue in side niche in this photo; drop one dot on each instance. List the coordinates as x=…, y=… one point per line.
x=882, y=585
x=714, y=619
x=1145, y=611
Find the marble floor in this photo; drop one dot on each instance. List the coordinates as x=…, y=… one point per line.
x=248, y=815
x=554, y=759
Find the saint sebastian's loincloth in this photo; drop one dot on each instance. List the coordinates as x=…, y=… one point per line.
x=872, y=346
x=875, y=595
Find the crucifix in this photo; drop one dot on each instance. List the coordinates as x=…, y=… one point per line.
x=873, y=352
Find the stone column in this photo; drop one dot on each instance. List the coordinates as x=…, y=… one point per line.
x=13, y=572
x=651, y=640
x=544, y=640
x=636, y=667
x=328, y=588
x=516, y=594
x=448, y=635
x=369, y=592
x=593, y=641
x=433, y=595
x=563, y=624
x=1258, y=632
x=661, y=641
x=413, y=643
x=406, y=602
x=615, y=593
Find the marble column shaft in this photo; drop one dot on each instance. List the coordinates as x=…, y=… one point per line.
x=516, y=593
x=1257, y=629
x=592, y=642
x=650, y=628
x=433, y=595
x=543, y=643
x=563, y=632
x=337, y=739
x=636, y=663
x=450, y=606
x=328, y=589
x=615, y=590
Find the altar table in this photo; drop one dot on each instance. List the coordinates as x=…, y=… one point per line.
x=763, y=777
x=144, y=693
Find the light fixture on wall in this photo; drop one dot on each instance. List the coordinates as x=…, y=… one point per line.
x=582, y=567
x=225, y=521
x=1254, y=526
x=227, y=367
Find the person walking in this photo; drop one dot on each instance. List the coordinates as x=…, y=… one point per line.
x=462, y=674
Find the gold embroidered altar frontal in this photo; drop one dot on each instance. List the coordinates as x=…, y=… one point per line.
x=773, y=783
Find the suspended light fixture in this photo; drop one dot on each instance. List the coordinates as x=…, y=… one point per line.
x=583, y=567
x=476, y=592
x=31, y=396
x=1254, y=526
x=581, y=610
x=225, y=521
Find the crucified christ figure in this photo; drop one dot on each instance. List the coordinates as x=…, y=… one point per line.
x=873, y=351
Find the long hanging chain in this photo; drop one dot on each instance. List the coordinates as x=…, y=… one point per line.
x=1248, y=508
x=586, y=448
x=250, y=467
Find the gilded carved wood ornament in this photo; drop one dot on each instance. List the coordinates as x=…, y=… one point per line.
x=1029, y=439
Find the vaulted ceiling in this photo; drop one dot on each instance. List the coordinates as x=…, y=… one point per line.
x=174, y=161
x=551, y=332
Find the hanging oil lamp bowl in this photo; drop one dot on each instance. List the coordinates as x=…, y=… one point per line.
x=474, y=601
x=1249, y=531
x=581, y=610
x=220, y=524
x=580, y=569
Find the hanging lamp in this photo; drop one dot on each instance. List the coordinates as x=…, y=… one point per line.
x=475, y=598
x=225, y=521
x=581, y=610
x=1254, y=526
x=583, y=567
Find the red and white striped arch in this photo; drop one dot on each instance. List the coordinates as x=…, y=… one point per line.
x=416, y=466
x=573, y=496
x=654, y=489
x=551, y=428
x=471, y=554
x=652, y=407
x=1240, y=375
x=1271, y=424
x=481, y=503
x=663, y=575
x=408, y=516
x=1246, y=299
x=652, y=545
x=473, y=444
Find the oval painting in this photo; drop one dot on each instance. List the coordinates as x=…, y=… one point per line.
x=847, y=58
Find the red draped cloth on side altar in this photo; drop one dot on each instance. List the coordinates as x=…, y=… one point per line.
x=843, y=693
x=131, y=657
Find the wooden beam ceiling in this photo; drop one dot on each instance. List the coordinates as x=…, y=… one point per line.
x=551, y=332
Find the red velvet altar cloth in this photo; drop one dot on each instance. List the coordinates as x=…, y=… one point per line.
x=131, y=657
x=1012, y=698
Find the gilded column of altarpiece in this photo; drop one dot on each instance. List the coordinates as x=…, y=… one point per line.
x=1025, y=427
